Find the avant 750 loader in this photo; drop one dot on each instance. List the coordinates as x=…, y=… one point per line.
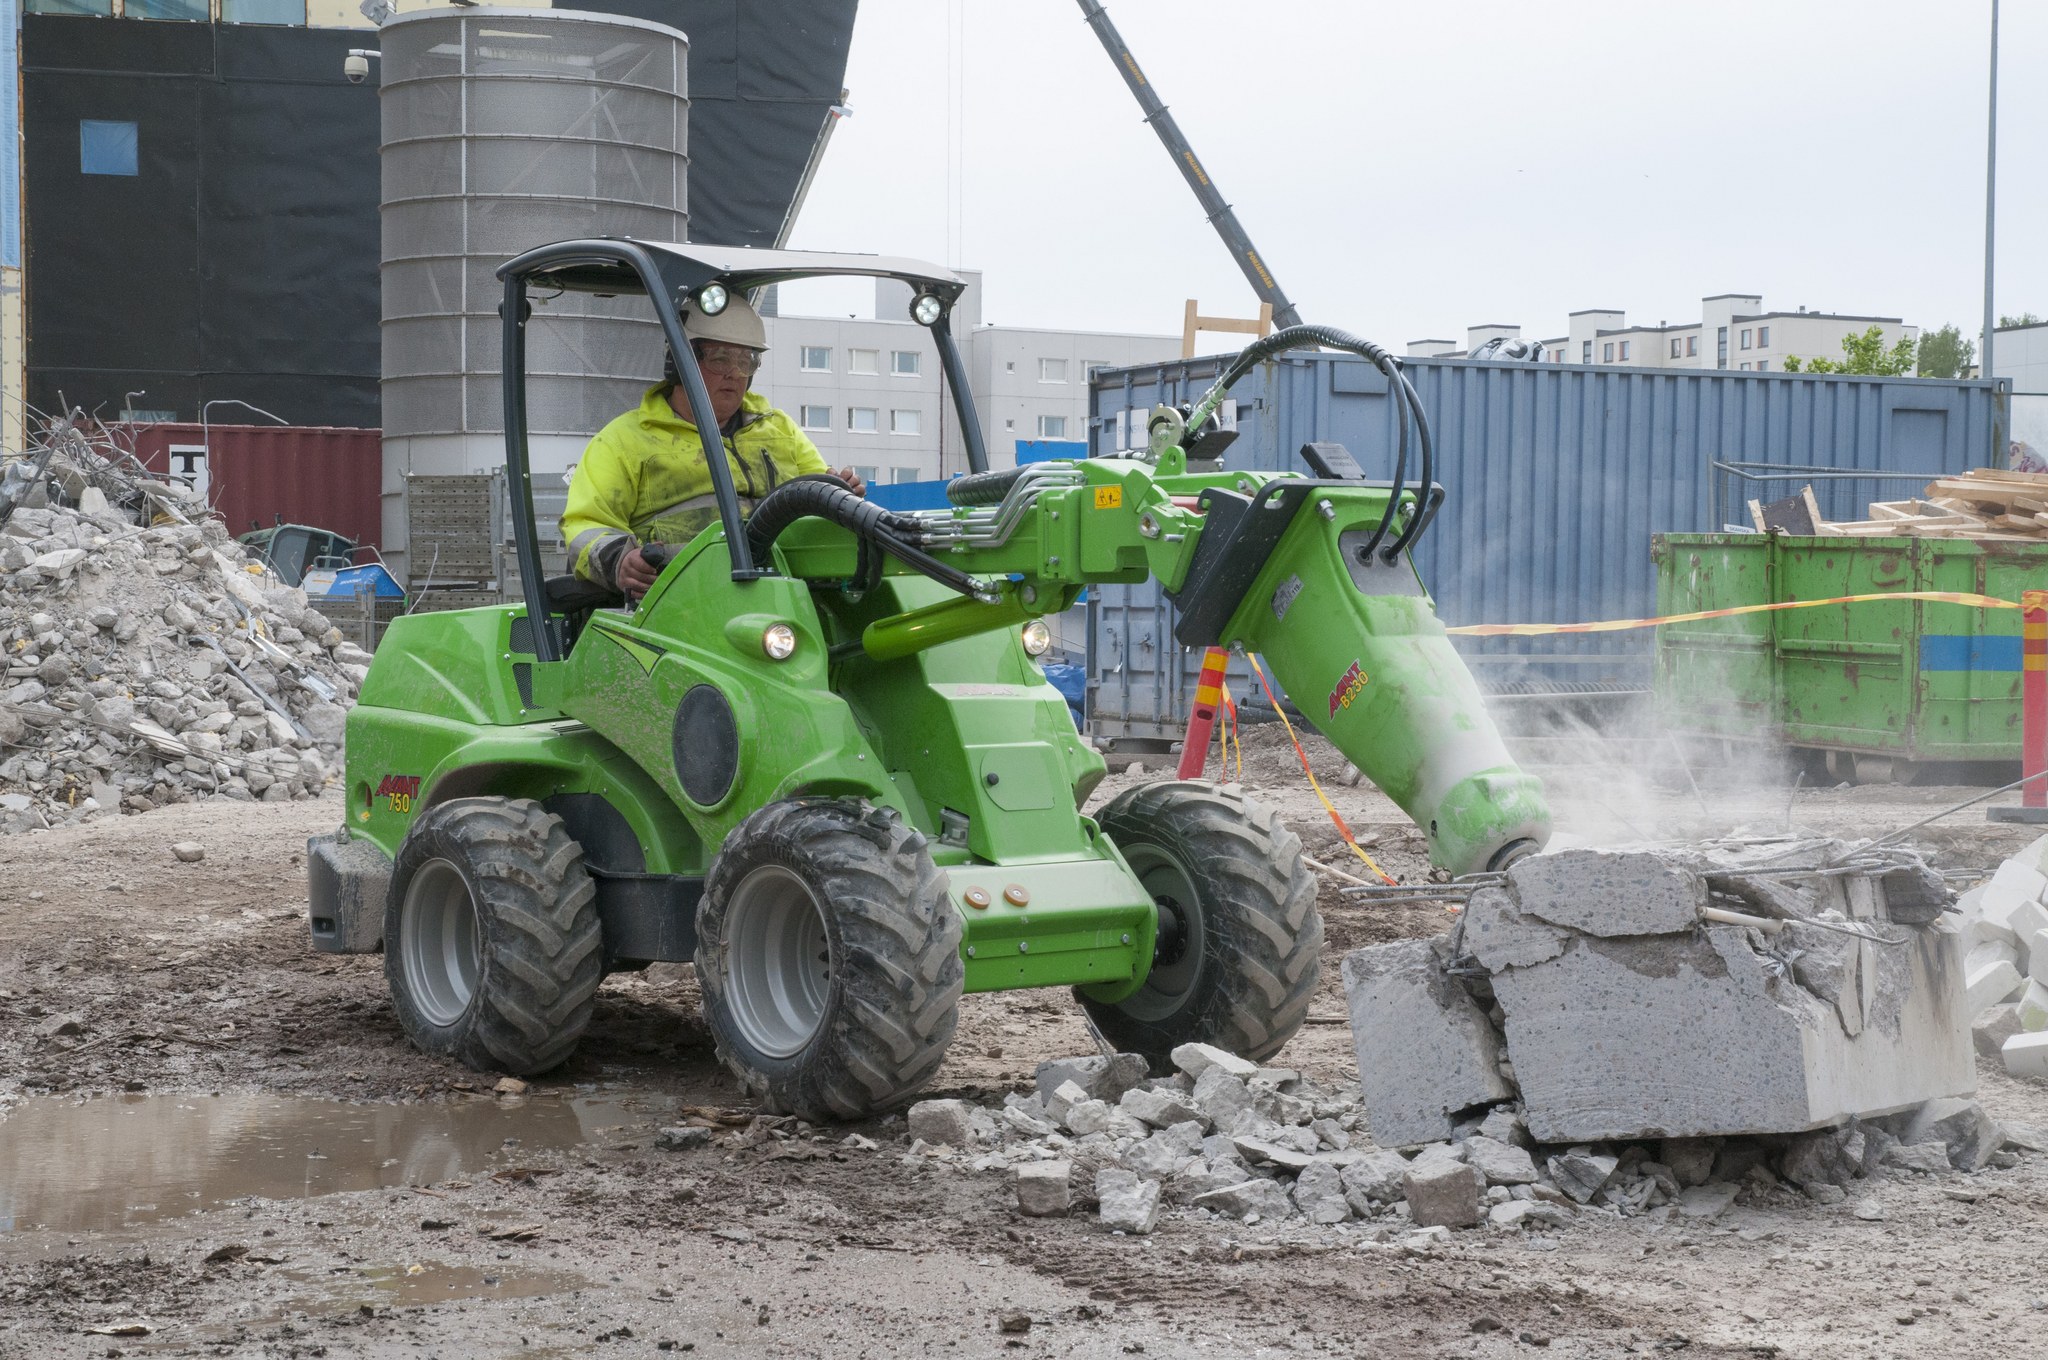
x=818, y=758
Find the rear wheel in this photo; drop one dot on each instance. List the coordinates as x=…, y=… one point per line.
x=1239, y=943
x=829, y=958
x=491, y=938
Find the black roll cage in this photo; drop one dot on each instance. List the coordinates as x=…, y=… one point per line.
x=671, y=276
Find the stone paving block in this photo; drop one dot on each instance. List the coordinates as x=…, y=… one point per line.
x=1442, y=1193
x=2026, y=1055
x=942, y=1121
x=1425, y=1048
x=1042, y=1190
x=2032, y=1007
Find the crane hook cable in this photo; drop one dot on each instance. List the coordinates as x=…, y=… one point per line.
x=1328, y=806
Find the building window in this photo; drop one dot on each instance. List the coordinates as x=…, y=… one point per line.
x=1607, y=352
x=906, y=422
x=1010, y=366
x=906, y=363
x=1692, y=346
x=1052, y=370
x=192, y=11
x=815, y=417
x=1091, y=367
x=816, y=359
x=1720, y=347
x=1763, y=339
x=861, y=419
x=904, y=474
x=863, y=360
x=1052, y=427
x=1762, y=364
x=1744, y=366
x=1624, y=351
x=867, y=474
x=1674, y=347
x=1745, y=337
x=102, y=8
x=1586, y=352
x=106, y=148
x=263, y=12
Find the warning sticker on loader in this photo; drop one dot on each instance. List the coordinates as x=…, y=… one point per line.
x=1108, y=497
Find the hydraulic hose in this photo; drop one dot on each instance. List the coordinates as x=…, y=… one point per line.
x=1409, y=409
x=983, y=488
x=827, y=498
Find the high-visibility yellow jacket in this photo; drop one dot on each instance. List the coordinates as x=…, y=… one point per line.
x=643, y=479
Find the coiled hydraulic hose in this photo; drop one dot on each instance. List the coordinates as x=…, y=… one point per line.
x=828, y=498
x=984, y=488
x=1293, y=337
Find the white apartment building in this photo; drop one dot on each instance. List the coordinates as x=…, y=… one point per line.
x=1734, y=331
x=869, y=391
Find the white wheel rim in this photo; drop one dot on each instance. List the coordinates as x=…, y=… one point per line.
x=440, y=945
x=778, y=968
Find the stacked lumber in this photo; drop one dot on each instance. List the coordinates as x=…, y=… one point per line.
x=1983, y=503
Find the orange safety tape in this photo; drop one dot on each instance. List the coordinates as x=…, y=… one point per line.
x=1622, y=625
x=1328, y=806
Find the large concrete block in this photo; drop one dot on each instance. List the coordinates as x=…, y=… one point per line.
x=1699, y=1033
x=2033, y=1008
x=2026, y=1055
x=1426, y=1051
x=1989, y=983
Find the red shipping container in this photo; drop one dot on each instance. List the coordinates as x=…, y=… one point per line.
x=258, y=475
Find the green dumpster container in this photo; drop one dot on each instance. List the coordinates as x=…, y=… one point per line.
x=1883, y=687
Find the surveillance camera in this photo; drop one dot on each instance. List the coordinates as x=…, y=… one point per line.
x=356, y=67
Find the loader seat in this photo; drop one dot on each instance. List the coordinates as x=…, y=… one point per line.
x=577, y=599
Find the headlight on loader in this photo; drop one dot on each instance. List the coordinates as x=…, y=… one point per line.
x=1037, y=637
x=778, y=640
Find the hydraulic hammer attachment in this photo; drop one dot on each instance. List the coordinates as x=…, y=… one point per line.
x=1358, y=647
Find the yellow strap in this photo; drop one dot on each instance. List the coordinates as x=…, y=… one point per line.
x=1328, y=806
x=1622, y=625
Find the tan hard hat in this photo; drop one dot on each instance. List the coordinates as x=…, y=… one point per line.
x=738, y=324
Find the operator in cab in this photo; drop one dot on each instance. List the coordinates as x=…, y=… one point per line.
x=644, y=478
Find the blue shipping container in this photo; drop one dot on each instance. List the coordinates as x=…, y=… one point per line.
x=1556, y=476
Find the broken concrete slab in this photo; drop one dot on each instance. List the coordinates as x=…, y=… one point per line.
x=1607, y=893
x=1426, y=1049
x=1989, y=983
x=1195, y=1059
x=1103, y=1077
x=1319, y=1193
x=1267, y=1199
x=1707, y=1201
x=1970, y=1134
x=1161, y=1108
x=1500, y=937
x=1374, y=1180
x=1691, y=1159
x=1580, y=1172
x=1500, y=1163
x=1990, y=1030
x=1126, y=1202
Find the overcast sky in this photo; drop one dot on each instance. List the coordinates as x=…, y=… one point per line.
x=1411, y=169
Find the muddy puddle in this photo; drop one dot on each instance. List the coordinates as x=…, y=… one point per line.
x=117, y=1161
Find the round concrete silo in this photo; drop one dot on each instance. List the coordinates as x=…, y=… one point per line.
x=504, y=129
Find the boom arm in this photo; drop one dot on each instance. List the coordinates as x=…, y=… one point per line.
x=1273, y=563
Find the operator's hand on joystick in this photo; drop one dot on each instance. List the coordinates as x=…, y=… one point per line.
x=636, y=574
x=854, y=481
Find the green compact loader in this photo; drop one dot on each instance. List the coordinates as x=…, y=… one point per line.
x=819, y=760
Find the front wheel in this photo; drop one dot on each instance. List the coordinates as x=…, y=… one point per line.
x=1239, y=943
x=492, y=944
x=829, y=958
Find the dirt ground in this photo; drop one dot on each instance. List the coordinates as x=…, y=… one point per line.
x=219, y=1135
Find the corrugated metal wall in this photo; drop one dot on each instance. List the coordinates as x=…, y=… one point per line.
x=325, y=476
x=1556, y=477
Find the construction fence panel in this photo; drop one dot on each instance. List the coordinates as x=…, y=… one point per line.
x=1556, y=476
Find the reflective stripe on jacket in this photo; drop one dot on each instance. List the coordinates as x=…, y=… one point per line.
x=643, y=479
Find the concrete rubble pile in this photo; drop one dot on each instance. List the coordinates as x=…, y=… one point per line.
x=147, y=660
x=1227, y=1140
x=2005, y=962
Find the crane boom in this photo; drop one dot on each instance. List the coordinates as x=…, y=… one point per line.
x=1219, y=212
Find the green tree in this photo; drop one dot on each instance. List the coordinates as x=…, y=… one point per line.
x=1864, y=354
x=1945, y=354
x=2023, y=319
